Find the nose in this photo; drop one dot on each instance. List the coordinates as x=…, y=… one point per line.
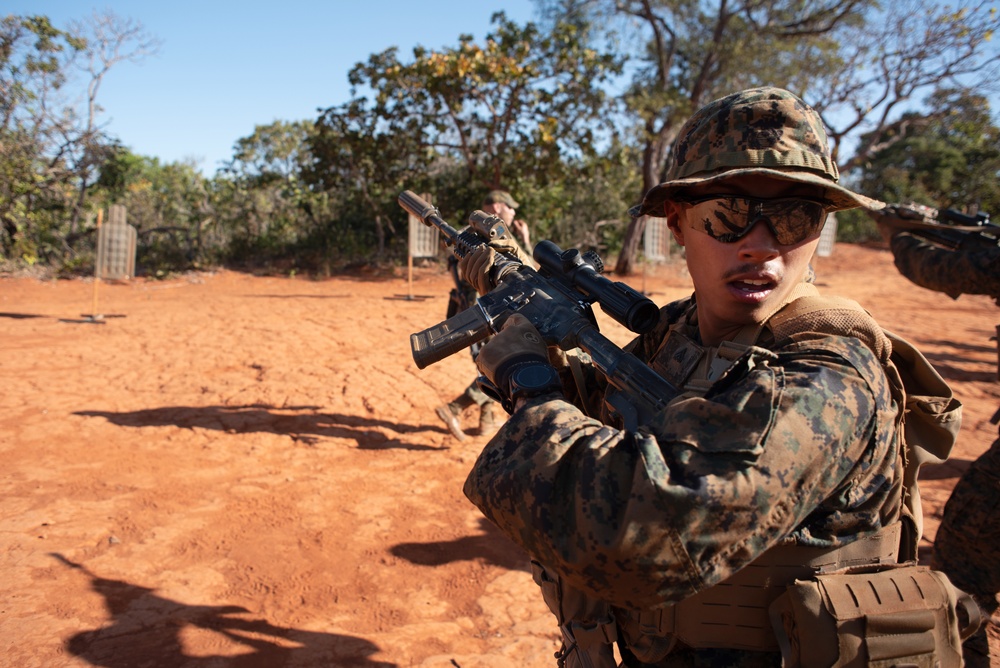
x=759, y=243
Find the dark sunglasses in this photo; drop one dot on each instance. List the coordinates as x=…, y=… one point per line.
x=727, y=218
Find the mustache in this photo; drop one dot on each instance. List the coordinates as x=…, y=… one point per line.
x=752, y=268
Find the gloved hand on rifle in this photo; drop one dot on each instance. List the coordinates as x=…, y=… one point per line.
x=516, y=362
x=475, y=267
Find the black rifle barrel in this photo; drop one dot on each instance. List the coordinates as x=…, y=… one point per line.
x=428, y=214
x=978, y=220
x=581, y=272
x=623, y=303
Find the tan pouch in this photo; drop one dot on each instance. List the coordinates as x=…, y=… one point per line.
x=878, y=617
x=587, y=626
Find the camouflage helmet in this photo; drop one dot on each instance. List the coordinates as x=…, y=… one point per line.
x=760, y=131
x=500, y=197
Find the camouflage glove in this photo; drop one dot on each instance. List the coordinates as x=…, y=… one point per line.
x=516, y=364
x=508, y=247
x=517, y=342
x=477, y=266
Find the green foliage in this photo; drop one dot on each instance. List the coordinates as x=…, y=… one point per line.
x=854, y=226
x=946, y=157
x=32, y=65
x=527, y=108
x=516, y=106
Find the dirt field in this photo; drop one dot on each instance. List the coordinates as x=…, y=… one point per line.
x=246, y=471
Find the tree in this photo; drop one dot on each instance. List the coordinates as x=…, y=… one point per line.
x=857, y=63
x=510, y=112
x=903, y=52
x=107, y=40
x=952, y=162
x=33, y=57
x=268, y=206
x=692, y=53
x=53, y=152
x=356, y=160
x=167, y=204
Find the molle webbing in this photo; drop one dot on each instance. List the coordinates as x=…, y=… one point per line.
x=734, y=613
x=844, y=317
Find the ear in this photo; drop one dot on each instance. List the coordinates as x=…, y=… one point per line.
x=674, y=218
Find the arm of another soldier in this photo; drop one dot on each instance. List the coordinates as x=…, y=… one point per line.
x=972, y=272
x=522, y=233
x=645, y=521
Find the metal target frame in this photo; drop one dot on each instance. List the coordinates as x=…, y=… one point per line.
x=424, y=241
x=116, y=245
x=655, y=244
x=828, y=237
x=656, y=239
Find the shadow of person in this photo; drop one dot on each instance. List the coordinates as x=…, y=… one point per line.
x=302, y=423
x=491, y=546
x=148, y=630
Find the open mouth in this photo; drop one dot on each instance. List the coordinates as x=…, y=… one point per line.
x=752, y=285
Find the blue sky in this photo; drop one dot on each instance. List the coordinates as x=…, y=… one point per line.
x=225, y=67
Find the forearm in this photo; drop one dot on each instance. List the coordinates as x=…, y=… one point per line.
x=573, y=492
x=566, y=488
x=951, y=272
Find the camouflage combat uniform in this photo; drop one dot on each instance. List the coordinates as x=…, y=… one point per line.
x=790, y=445
x=976, y=272
x=967, y=540
x=796, y=443
x=970, y=530
x=463, y=296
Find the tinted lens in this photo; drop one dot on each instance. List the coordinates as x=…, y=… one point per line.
x=727, y=219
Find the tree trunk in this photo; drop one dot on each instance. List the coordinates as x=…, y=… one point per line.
x=380, y=235
x=653, y=159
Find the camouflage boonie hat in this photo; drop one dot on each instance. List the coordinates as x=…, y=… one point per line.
x=763, y=131
x=500, y=197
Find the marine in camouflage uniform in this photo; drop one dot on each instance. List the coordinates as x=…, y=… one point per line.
x=462, y=296
x=976, y=272
x=969, y=534
x=792, y=442
x=499, y=203
x=967, y=540
x=971, y=269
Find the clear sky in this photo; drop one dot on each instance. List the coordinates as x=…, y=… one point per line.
x=225, y=67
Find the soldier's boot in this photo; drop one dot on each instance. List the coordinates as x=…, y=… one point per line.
x=449, y=415
x=487, y=421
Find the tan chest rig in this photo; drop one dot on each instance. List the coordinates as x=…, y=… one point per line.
x=735, y=614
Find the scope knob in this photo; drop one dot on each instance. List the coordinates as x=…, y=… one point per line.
x=592, y=258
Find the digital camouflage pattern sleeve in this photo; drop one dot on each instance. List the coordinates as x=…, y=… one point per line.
x=798, y=444
x=966, y=541
x=973, y=272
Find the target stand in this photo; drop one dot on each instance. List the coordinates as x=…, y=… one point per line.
x=424, y=242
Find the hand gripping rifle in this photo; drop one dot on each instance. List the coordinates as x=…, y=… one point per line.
x=557, y=300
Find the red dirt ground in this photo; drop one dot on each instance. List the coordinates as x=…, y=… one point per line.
x=243, y=471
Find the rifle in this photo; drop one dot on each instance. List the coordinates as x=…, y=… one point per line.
x=557, y=299
x=948, y=228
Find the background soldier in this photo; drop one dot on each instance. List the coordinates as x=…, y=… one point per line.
x=953, y=259
x=499, y=203
x=966, y=542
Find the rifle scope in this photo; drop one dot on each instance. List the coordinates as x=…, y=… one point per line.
x=624, y=304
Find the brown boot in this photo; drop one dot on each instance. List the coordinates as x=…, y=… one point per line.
x=449, y=415
x=486, y=420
